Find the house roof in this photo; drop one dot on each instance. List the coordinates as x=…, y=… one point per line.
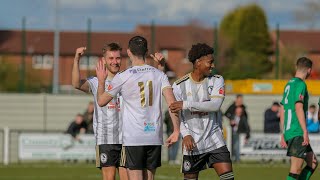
x=42, y=42
x=307, y=40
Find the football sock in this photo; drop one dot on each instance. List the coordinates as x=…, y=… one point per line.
x=227, y=176
x=306, y=173
x=292, y=176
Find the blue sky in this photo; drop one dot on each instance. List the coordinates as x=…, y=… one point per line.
x=124, y=15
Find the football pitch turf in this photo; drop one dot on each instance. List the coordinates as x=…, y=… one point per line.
x=50, y=171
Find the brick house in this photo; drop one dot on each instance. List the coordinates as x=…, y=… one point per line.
x=173, y=41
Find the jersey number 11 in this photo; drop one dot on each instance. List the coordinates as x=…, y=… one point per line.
x=143, y=95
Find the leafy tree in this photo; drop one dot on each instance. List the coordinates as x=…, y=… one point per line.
x=246, y=31
x=9, y=75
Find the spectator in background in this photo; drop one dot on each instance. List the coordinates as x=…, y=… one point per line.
x=239, y=124
x=312, y=120
x=88, y=117
x=238, y=102
x=77, y=126
x=272, y=119
x=173, y=150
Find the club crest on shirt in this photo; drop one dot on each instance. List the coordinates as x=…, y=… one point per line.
x=109, y=87
x=186, y=165
x=301, y=97
x=189, y=94
x=103, y=157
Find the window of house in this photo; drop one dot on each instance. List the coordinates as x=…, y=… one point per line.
x=83, y=64
x=42, y=62
x=164, y=52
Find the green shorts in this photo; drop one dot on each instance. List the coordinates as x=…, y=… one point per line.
x=296, y=149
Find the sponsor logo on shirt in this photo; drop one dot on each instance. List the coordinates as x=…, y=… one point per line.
x=199, y=113
x=145, y=69
x=149, y=127
x=189, y=94
x=114, y=104
x=133, y=71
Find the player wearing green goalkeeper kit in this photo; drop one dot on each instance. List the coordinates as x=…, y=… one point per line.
x=295, y=138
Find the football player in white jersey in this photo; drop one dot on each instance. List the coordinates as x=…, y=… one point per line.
x=141, y=87
x=199, y=98
x=106, y=121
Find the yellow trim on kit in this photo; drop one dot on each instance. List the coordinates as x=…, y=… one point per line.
x=123, y=157
x=110, y=94
x=97, y=156
x=183, y=78
x=166, y=88
x=196, y=82
x=216, y=96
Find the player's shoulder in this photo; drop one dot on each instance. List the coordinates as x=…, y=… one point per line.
x=156, y=70
x=92, y=79
x=125, y=72
x=122, y=71
x=182, y=79
x=298, y=83
x=216, y=78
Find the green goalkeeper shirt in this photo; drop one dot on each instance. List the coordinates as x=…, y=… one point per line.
x=295, y=91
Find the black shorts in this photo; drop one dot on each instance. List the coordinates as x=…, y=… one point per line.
x=141, y=157
x=296, y=149
x=108, y=155
x=196, y=163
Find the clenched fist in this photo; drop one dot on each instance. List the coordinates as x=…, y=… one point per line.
x=79, y=52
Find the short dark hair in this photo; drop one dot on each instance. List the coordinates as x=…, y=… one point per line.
x=303, y=63
x=199, y=50
x=275, y=103
x=312, y=106
x=111, y=47
x=79, y=114
x=239, y=96
x=138, y=46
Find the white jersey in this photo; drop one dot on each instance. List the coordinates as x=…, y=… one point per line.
x=141, y=89
x=107, y=122
x=204, y=127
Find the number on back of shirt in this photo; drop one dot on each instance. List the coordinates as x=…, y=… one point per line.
x=143, y=93
x=289, y=115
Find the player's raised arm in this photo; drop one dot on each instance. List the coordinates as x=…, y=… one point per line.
x=103, y=98
x=158, y=57
x=78, y=83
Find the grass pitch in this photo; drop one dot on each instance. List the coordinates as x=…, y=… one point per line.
x=52, y=171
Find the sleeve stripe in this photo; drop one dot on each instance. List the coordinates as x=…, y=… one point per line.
x=216, y=96
x=110, y=94
x=166, y=88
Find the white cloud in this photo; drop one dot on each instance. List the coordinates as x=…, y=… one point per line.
x=166, y=10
